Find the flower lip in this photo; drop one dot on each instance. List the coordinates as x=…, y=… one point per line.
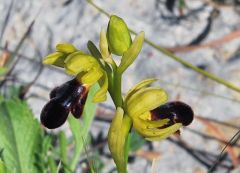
x=177, y=112
x=54, y=114
x=70, y=96
x=70, y=89
x=78, y=104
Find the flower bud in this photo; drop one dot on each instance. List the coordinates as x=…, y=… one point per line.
x=118, y=35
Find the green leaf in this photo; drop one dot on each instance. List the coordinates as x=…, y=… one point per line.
x=94, y=50
x=42, y=157
x=63, y=150
x=136, y=142
x=20, y=136
x=2, y=167
x=52, y=164
x=80, y=130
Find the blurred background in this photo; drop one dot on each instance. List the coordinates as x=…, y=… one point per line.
x=205, y=33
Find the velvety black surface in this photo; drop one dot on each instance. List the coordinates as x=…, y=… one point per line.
x=177, y=112
x=70, y=96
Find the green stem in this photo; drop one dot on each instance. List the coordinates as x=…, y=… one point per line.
x=178, y=59
x=117, y=94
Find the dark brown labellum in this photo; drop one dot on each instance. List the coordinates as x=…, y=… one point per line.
x=78, y=104
x=177, y=112
x=70, y=96
x=54, y=114
x=53, y=93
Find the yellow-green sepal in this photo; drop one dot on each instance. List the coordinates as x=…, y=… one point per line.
x=149, y=124
x=139, y=86
x=91, y=76
x=103, y=45
x=157, y=134
x=118, y=35
x=117, y=139
x=56, y=58
x=132, y=52
x=66, y=48
x=78, y=62
x=97, y=55
x=101, y=94
x=160, y=134
x=145, y=100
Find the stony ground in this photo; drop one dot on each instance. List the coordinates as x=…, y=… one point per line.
x=77, y=22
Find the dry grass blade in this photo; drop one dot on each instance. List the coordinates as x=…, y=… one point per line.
x=149, y=155
x=226, y=38
x=204, y=92
x=232, y=141
x=218, y=133
x=153, y=169
x=12, y=56
x=19, y=45
x=5, y=23
x=4, y=56
x=218, y=122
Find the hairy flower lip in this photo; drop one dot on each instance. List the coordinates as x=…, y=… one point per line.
x=68, y=97
x=78, y=104
x=54, y=114
x=176, y=112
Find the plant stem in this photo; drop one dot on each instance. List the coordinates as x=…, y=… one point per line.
x=178, y=59
x=117, y=89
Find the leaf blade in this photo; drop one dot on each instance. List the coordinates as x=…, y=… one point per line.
x=80, y=130
x=20, y=136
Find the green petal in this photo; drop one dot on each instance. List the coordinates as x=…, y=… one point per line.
x=92, y=76
x=66, y=48
x=158, y=133
x=56, y=58
x=131, y=54
x=145, y=100
x=118, y=35
x=103, y=44
x=78, y=62
x=171, y=130
x=139, y=86
x=101, y=94
x=148, y=124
